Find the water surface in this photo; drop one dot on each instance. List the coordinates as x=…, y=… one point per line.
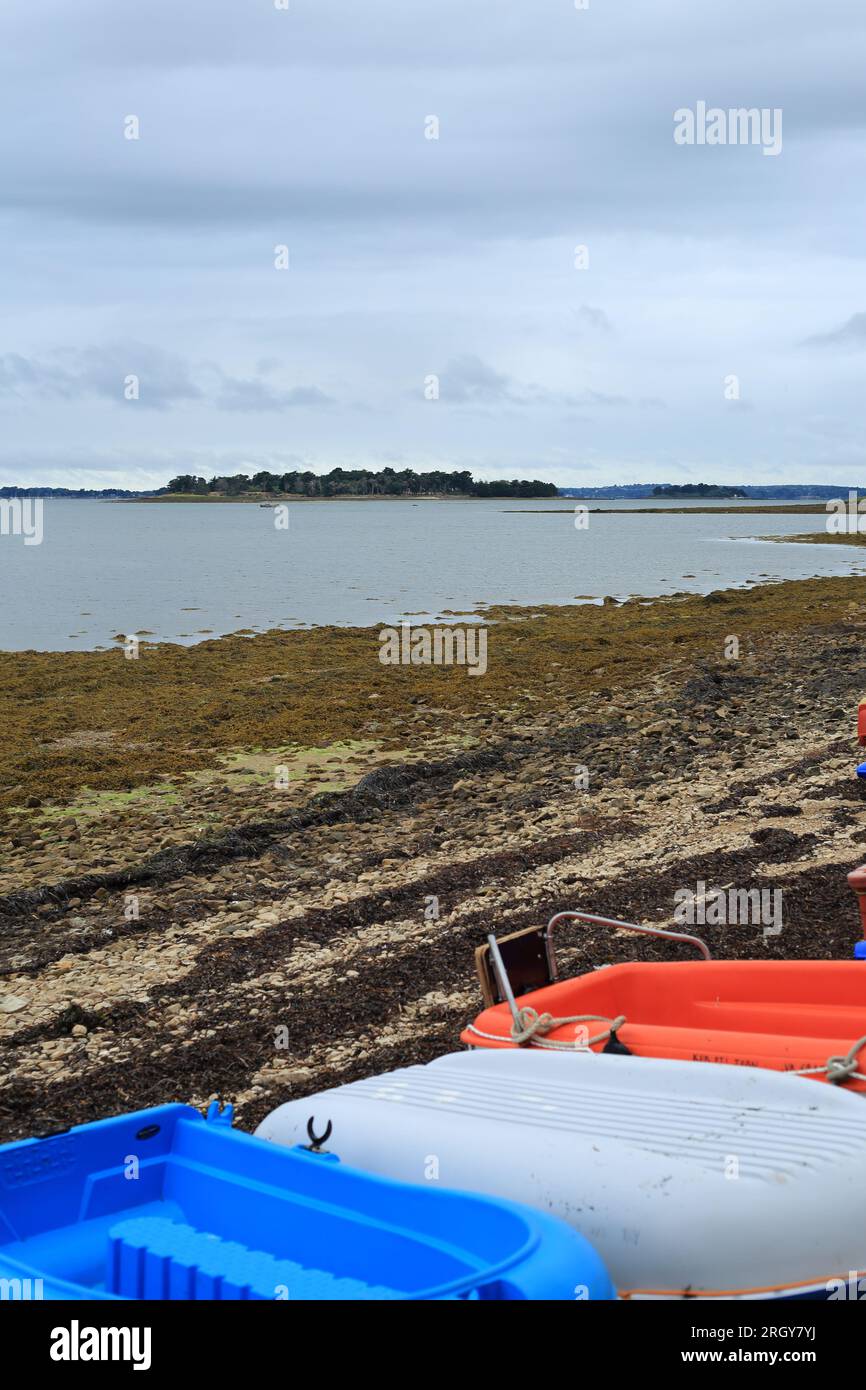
x=186, y=572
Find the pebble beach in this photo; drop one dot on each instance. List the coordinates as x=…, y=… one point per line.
x=284, y=889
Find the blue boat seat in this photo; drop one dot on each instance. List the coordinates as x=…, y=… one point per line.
x=153, y=1257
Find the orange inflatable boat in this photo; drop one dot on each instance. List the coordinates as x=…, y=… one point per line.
x=803, y=1016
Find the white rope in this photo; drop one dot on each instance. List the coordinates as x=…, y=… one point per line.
x=530, y=1027
x=839, y=1069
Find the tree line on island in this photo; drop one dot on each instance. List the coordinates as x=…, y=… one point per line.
x=697, y=490
x=360, y=482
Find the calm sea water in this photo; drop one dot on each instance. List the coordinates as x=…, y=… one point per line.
x=183, y=573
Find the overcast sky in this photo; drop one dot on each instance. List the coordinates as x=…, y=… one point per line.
x=411, y=257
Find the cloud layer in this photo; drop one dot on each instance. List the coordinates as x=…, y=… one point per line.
x=581, y=285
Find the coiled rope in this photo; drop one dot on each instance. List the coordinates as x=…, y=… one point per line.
x=531, y=1027
x=839, y=1069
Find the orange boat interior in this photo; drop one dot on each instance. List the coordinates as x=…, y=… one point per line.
x=785, y=1015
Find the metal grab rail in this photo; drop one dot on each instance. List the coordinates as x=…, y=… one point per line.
x=625, y=926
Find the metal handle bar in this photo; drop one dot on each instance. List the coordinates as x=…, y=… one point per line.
x=625, y=926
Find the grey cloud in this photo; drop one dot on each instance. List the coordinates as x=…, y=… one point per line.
x=253, y=394
x=593, y=320
x=468, y=380
x=851, y=334
x=163, y=380
x=22, y=375
x=73, y=374
x=603, y=398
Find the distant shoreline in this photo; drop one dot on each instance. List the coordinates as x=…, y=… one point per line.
x=783, y=508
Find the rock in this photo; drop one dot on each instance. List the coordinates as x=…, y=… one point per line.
x=79, y=1030
x=295, y=1076
x=11, y=1003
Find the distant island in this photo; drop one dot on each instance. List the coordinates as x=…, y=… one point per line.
x=696, y=490
x=92, y=492
x=340, y=482
x=818, y=492
x=357, y=482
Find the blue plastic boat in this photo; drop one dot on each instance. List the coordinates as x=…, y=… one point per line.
x=164, y=1204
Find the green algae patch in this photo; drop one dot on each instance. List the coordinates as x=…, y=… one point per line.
x=89, y=805
x=96, y=720
x=334, y=767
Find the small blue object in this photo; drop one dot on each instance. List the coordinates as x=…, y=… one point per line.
x=860, y=950
x=861, y=770
x=164, y=1204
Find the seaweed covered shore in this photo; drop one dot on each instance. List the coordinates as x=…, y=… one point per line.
x=259, y=866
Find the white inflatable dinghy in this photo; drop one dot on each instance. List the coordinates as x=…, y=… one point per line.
x=690, y=1179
